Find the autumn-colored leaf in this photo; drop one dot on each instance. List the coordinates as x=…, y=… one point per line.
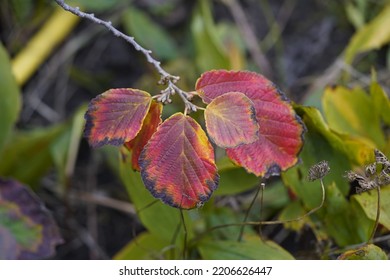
x=365, y=252
x=27, y=230
x=177, y=165
x=231, y=120
x=116, y=116
x=280, y=129
x=150, y=124
x=353, y=112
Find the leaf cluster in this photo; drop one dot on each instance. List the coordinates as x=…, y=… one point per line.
x=245, y=114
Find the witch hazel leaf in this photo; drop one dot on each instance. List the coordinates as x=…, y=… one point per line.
x=116, y=116
x=217, y=82
x=177, y=165
x=231, y=120
x=280, y=128
x=149, y=127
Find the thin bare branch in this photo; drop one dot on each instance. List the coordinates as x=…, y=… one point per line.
x=165, y=77
x=249, y=36
x=105, y=201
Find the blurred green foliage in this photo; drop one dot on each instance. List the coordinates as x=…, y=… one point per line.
x=10, y=99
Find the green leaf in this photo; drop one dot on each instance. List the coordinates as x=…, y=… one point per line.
x=10, y=103
x=320, y=144
x=250, y=249
x=145, y=246
x=341, y=221
x=373, y=35
x=64, y=148
x=355, y=15
x=368, y=201
x=30, y=154
x=275, y=198
x=352, y=111
x=215, y=217
x=160, y=219
x=22, y=9
x=234, y=46
x=149, y=34
x=366, y=252
x=233, y=178
x=381, y=101
x=27, y=154
x=293, y=211
x=356, y=149
x=209, y=49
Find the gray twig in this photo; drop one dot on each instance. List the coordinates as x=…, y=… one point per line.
x=249, y=36
x=165, y=77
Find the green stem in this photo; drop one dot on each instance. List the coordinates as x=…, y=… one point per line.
x=267, y=222
x=248, y=211
x=173, y=241
x=378, y=212
x=185, y=234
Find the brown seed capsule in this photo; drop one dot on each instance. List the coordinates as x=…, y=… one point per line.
x=318, y=171
x=370, y=169
x=380, y=158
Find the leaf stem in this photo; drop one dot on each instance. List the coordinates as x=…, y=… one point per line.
x=378, y=212
x=261, y=187
x=259, y=223
x=185, y=233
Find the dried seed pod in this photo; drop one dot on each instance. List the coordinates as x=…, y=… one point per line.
x=372, y=179
x=384, y=178
x=370, y=169
x=367, y=185
x=318, y=171
x=352, y=176
x=381, y=158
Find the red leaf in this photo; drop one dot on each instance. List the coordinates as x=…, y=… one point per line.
x=281, y=129
x=177, y=164
x=116, y=116
x=149, y=127
x=231, y=120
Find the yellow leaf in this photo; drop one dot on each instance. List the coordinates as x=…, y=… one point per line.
x=373, y=35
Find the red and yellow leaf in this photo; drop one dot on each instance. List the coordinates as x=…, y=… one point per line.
x=231, y=120
x=116, y=116
x=281, y=130
x=177, y=165
x=149, y=127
